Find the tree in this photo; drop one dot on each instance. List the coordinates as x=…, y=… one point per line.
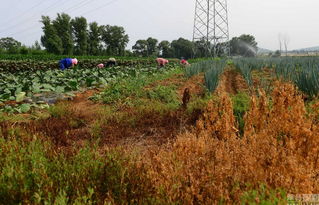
x=50, y=40
x=277, y=54
x=115, y=39
x=280, y=42
x=245, y=45
x=62, y=24
x=94, y=39
x=152, y=47
x=10, y=45
x=165, y=49
x=24, y=50
x=140, y=48
x=146, y=47
x=36, y=49
x=201, y=48
x=80, y=34
x=36, y=46
x=182, y=48
x=286, y=41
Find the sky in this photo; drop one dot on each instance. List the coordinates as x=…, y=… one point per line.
x=170, y=19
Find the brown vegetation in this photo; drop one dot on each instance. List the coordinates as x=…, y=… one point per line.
x=278, y=149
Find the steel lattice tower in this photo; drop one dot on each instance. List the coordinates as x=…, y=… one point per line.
x=211, y=25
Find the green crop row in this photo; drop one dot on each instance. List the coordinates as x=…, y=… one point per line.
x=212, y=70
x=303, y=71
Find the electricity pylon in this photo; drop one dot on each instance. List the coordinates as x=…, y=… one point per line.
x=211, y=26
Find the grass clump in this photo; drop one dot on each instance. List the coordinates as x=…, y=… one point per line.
x=164, y=94
x=264, y=195
x=241, y=103
x=59, y=110
x=132, y=86
x=34, y=173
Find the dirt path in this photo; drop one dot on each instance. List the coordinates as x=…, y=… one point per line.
x=231, y=82
x=85, y=107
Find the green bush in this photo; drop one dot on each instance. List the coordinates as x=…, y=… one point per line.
x=35, y=173
x=241, y=103
x=265, y=196
x=133, y=86
x=163, y=94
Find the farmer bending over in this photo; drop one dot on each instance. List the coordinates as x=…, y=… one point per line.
x=111, y=62
x=161, y=62
x=184, y=62
x=67, y=63
x=101, y=65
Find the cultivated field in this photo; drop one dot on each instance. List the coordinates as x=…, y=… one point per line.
x=219, y=131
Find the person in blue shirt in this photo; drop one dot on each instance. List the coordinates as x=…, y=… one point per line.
x=67, y=63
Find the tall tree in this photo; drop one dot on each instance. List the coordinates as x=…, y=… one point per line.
x=286, y=41
x=9, y=43
x=152, y=46
x=50, y=39
x=94, y=38
x=245, y=45
x=115, y=39
x=62, y=24
x=201, y=48
x=36, y=46
x=140, y=48
x=182, y=48
x=165, y=49
x=80, y=34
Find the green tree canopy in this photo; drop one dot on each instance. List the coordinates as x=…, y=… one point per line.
x=115, y=39
x=152, y=46
x=50, y=40
x=140, y=48
x=62, y=24
x=9, y=43
x=182, y=48
x=165, y=49
x=80, y=34
x=94, y=39
x=202, y=49
x=244, y=45
x=146, y=47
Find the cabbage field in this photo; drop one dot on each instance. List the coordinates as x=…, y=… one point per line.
x=31, y=84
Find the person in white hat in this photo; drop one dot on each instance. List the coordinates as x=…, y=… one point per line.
x=67, y=63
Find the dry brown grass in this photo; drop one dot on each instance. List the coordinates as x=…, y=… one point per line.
x=278, y=149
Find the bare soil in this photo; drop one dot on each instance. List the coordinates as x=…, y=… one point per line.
x=231, y=82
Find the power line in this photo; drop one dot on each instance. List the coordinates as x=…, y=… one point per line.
x=24, y=13
x=22, y=31
x=82, y=3
x=31, y=17
x=100, y=7
x=79, y=5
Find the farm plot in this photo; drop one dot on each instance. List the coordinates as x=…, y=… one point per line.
x=163, y=138
x=22, y=90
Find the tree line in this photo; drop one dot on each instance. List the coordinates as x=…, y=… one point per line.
x=244, y=45
x=66, y=36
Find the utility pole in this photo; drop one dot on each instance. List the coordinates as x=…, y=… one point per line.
x=211, y=26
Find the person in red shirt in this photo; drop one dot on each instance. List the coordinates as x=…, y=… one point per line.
x=161, y=62
x=184, y=62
